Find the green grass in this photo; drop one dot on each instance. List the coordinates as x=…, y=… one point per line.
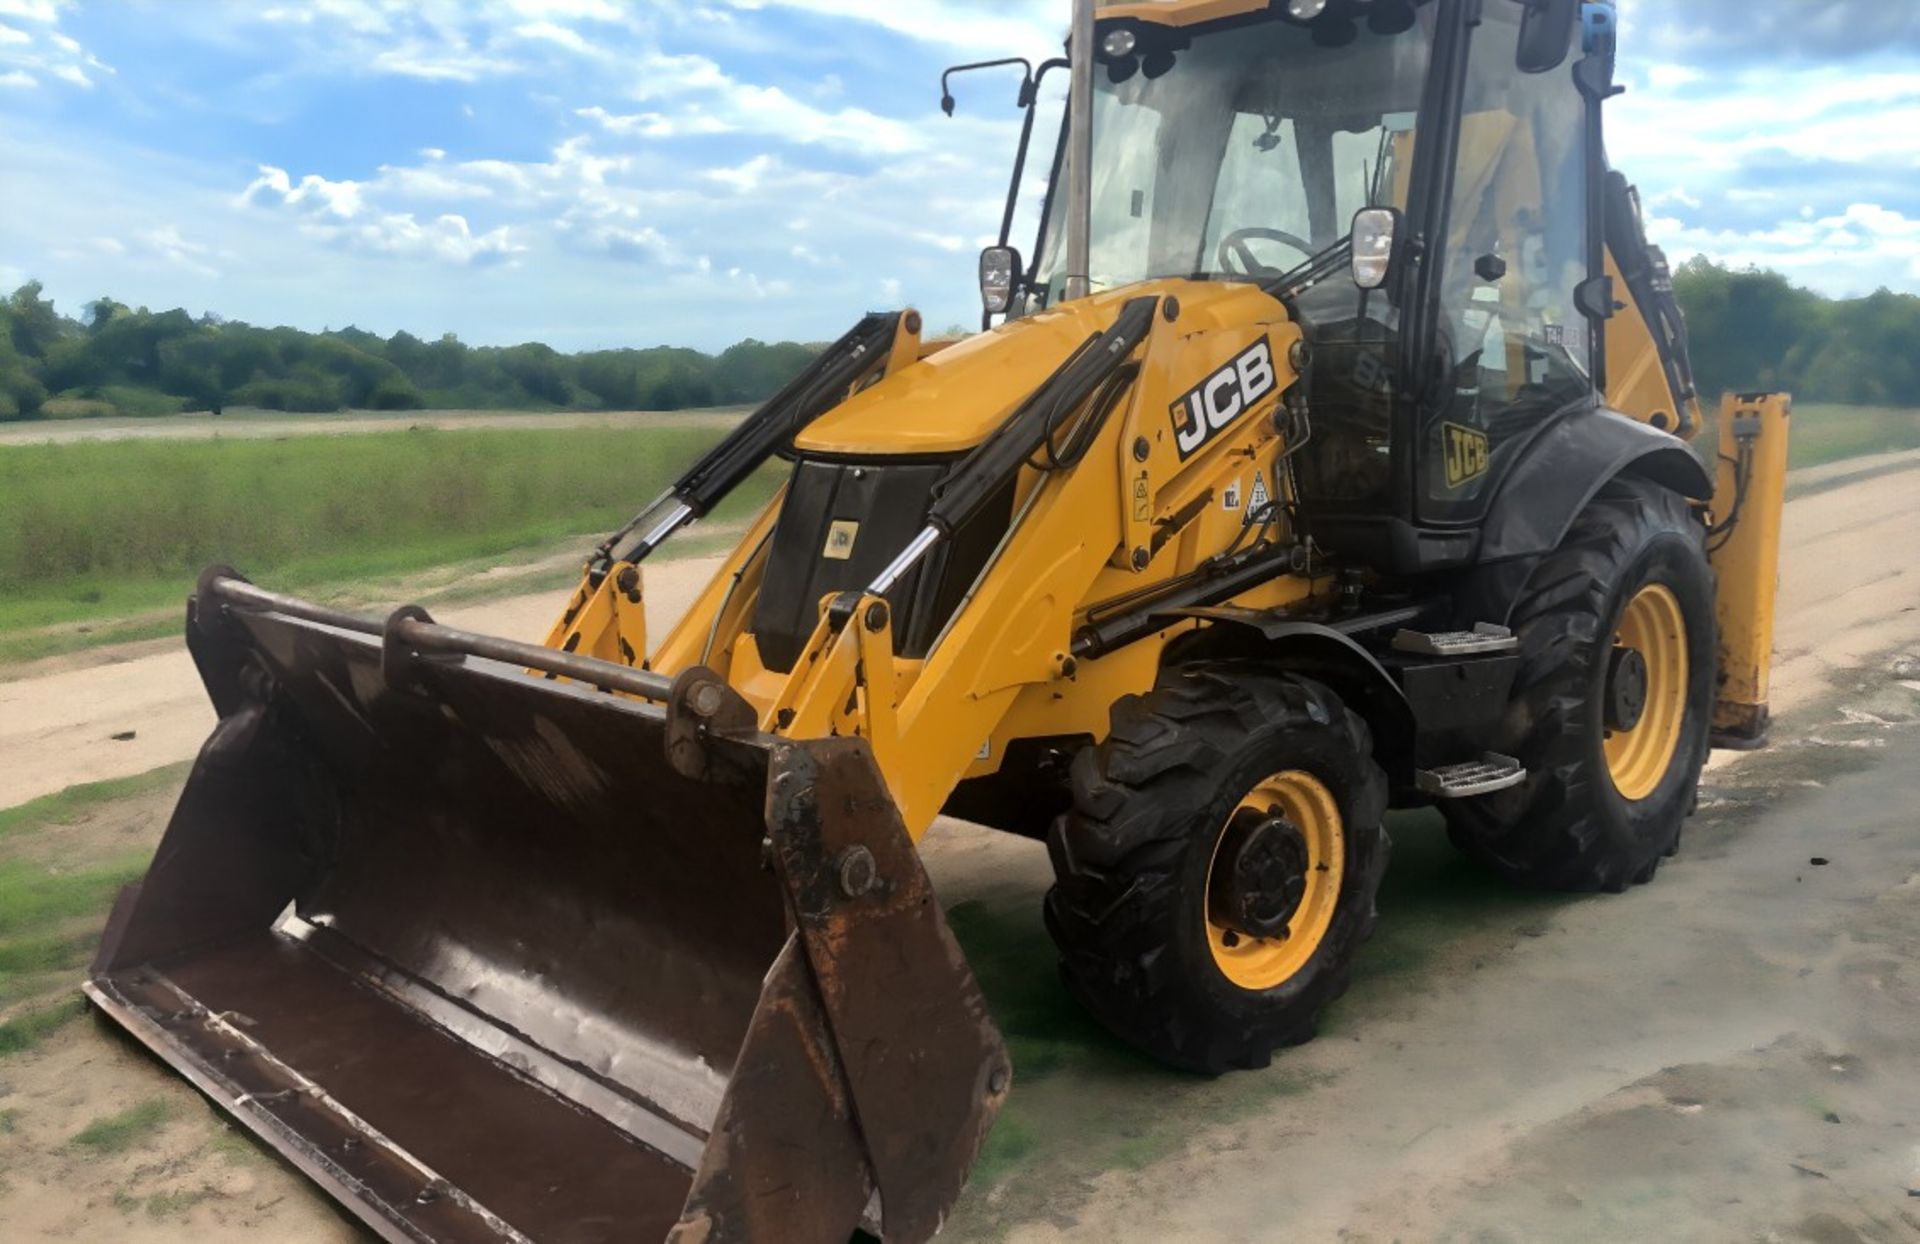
x=9, y=1120
x=35, y=897
x=97, y=532
x=51, y=914
x=1824, y=434
x=75, y=803
x=117, y=1133
x=50, y=920
x=25, y=1031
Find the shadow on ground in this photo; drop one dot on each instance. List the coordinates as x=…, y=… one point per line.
x=1085, y=1105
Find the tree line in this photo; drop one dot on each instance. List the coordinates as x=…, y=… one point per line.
x=1751, y=329
x=117, y=359
x=1756, y=330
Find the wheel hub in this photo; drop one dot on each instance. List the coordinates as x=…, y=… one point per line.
x=1260, y=876
x=1628, y=685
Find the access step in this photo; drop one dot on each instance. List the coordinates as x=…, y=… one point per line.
x=1484, y=640
x=1487, y=776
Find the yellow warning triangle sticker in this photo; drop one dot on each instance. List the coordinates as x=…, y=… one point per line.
x=1260, y=500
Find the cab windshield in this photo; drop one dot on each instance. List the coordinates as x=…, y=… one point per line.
x=1243, y=148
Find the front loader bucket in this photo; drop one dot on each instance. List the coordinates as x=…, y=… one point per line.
x=493, y=956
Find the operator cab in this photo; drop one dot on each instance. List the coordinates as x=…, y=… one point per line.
x=1243, y=148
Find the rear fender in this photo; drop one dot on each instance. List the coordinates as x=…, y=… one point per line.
x=1565, y=469
x=1547, y=491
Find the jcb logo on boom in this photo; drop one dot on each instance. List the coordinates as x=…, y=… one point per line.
x=1223, y=397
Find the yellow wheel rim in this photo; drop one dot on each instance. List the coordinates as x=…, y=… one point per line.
x=1259, y=964
x=1655, y=626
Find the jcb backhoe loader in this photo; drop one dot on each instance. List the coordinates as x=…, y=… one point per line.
x=1337, y=451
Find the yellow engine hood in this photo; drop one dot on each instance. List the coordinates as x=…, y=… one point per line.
x=952, y=401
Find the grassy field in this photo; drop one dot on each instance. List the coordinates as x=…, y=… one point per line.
x=1824, y=434
x=94, y=532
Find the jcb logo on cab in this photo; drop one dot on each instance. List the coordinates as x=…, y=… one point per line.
x=1223, y=397
x=1469, y=453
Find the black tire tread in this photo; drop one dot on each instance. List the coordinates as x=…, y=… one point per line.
x=1549, y=833
x=1118, y=857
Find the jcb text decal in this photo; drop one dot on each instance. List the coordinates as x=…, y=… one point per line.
x=1469, y=453
x=1223, y=397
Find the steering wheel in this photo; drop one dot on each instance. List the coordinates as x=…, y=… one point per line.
x=1234, y=246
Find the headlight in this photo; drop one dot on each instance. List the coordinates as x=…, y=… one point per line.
x=1305, y=10
x=1120, y=43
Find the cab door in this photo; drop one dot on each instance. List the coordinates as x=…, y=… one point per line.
x=1511, y=344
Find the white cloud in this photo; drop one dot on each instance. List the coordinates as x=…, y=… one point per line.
x=1012, y=27
x=1860, y=249
x=337, y=212
x=449, y=239
x=159, y=247
x=746, y=178
x=166, y=244
x=467, y=41
x=29, y=56
x=739, y=108
x=333, y=198
x=31, y=10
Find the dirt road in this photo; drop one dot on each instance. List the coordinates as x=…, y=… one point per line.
x=1728, y=1054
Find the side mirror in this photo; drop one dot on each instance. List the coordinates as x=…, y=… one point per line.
x=1546, y=34
x=1376, y=242
x=999, y=273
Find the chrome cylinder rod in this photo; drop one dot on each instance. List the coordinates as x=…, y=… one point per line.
x=905, y=562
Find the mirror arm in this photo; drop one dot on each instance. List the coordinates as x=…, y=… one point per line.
x=1028, y=83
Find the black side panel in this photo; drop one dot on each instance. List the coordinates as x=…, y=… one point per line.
x=868, y=513
x=844, y=523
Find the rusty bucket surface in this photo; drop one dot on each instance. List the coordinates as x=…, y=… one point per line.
x=493, y=956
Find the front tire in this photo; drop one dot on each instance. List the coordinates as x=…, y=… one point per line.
x=1219, y=869
x=1616, y=627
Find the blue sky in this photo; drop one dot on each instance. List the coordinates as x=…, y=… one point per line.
x=630, y=172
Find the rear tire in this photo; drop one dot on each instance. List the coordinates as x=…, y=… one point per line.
x=1603, y=807
x=1215, y=753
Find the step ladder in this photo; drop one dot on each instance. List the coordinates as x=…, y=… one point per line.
x=1484, y=640
x=1487, y=776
